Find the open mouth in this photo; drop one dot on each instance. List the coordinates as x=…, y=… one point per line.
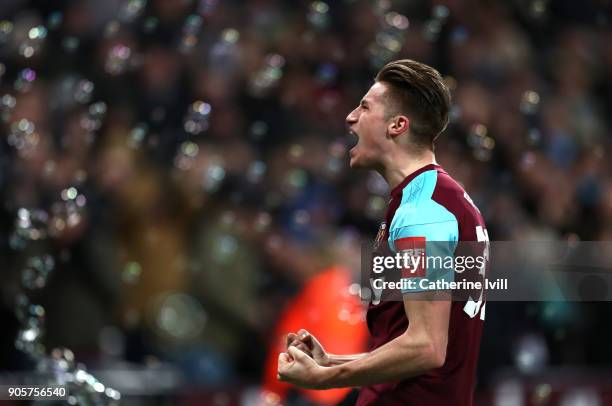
x=352, y=139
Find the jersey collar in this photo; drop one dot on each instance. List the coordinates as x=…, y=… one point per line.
x=398, y=189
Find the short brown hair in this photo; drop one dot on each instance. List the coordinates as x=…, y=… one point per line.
x=419, y=91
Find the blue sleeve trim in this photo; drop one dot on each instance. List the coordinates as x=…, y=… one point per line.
x=420, y=216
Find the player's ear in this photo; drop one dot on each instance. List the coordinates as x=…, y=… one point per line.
x=398, y=125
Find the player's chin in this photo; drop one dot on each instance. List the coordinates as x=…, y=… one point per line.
x=359, y=162
x=355, y=161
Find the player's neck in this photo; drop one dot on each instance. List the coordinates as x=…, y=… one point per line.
x=400, y=166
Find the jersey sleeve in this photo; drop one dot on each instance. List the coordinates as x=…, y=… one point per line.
x=435, y=243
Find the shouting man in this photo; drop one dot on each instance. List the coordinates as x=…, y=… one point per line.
x=423, y=352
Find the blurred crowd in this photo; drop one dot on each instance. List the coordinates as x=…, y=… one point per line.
x=172, y=172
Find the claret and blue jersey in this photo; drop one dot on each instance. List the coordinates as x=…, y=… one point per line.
x=419, y=216
x=430, y=205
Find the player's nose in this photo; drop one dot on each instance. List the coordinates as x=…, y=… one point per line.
x=352, y=117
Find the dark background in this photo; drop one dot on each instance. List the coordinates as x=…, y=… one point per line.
x=174, y=172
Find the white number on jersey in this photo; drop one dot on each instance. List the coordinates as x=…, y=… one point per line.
x=472, y=307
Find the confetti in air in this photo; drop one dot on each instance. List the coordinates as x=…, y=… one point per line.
x=318, y=14
x=530, y=102
x=139, y=134
x=7, y=104
x=34, y=42
x=481, y=143
x=22, y=137
x=131, y=10
x=433, y=26
x=6, y=31
x=390, y=38
x=57, y=366
x=266, y=78
x=191, y=31
x=118, y=59
x=198, y=117
x=25, y=80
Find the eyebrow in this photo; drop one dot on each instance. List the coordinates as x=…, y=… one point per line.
x=363, y=102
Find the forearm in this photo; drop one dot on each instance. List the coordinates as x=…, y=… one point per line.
x=399, y=359
x=334, y=359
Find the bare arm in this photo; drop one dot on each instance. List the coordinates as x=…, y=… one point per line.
x=309, y=344
x=342, y=359
x=421, y=348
